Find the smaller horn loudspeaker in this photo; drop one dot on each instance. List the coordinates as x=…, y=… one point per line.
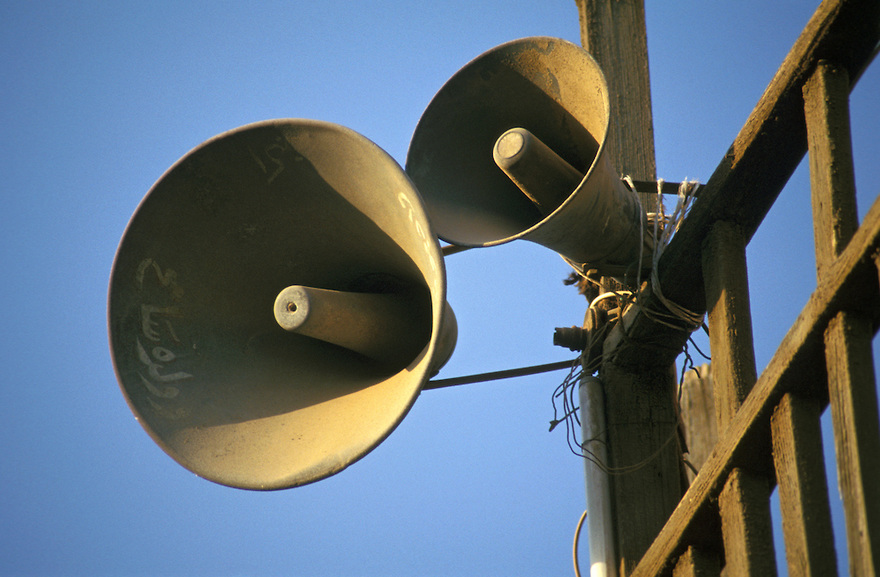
x=276, y=303
x=515, y=145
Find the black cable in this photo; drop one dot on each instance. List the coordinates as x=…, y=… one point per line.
x=704, y=355
x=494, y=376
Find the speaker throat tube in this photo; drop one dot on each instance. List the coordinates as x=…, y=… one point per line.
x=541, y=174
x=385, y=327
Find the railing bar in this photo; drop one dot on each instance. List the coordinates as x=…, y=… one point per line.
x=745, y=518
x=803, y=490
x=747, y=530
x=853, y=396
x=696, y=562
x=725, y=276
x=800, y=353
x=832, y=177
x=852, y=389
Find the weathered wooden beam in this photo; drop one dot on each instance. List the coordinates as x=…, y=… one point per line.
x=832, y=176
x=750, y=176
x=613, y=32
x=726, y=281
x=856, y=436
x=645, y=456
x=745, y=500
x=848, y=354
x=745, y=524
x=696, y=563
x=798, y=365
x=640, y=413
x=698, y=416
x=803, y=492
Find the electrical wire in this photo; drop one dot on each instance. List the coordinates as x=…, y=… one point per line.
x=564, y=395
x=619, y=294
x=702, y=354
x=574, y=548
x=686, y=195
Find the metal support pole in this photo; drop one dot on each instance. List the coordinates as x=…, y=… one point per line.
x=599, y=519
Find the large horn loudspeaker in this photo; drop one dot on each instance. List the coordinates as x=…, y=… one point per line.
x=515, y=145
x=276, y=303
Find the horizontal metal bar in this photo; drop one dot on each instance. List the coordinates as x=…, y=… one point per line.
x=494, y=376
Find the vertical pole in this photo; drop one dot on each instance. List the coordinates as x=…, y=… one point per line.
x=832, y=179
x=599, y=518
x=640, y=412
x=725, y=278
x=613, y=32
x=745, y=500
x=851, y=386
x=698, y=415
x=746, y=526
x=803, y=492
x=856, y=437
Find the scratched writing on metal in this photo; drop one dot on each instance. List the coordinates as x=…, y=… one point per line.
x=156, y=326
x=406, y=204
x=270, y=158
x=149, y=326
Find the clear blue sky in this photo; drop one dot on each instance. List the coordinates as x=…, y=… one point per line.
x=99, y=98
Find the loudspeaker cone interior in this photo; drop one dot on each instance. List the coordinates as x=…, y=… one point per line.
x=514, y=146
x=238, y=236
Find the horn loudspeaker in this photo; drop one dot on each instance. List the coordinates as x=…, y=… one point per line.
x=515, y=146
x=276, y=303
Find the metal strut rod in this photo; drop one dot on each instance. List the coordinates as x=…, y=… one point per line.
x=494, y=376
